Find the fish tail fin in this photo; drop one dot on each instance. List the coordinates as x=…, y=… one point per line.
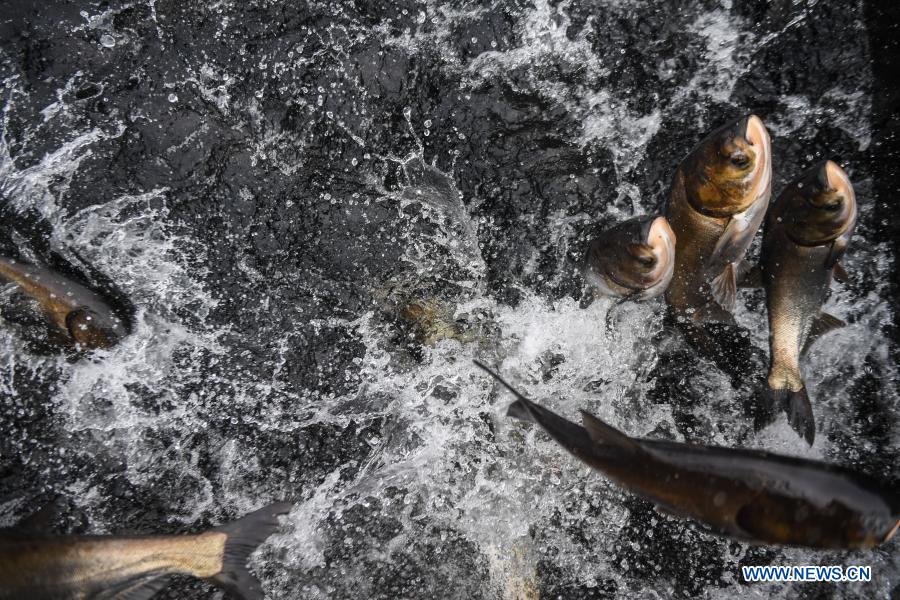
x=244, y=536
x=799, y=411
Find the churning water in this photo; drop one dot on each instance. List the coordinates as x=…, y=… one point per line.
x=319, y=213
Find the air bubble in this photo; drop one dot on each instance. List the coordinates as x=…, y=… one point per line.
x=108, y=41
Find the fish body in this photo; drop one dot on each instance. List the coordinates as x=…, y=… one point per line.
x=132, y=568
x=750, y=495
x=69, y=306
x=808, y=229
x=634, y=259
x=717, y=202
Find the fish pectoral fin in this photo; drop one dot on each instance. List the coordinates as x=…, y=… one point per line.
x=840, y=274
x=244, y=536
x=724, y=287
x=602, y=433
x=735, y=239
x=822, y=324
x=143, y=588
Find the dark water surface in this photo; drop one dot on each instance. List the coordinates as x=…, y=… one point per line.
x=317, y=214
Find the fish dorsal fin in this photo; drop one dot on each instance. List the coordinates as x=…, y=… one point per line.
x=602, y=433
x=822, y=324
x=143, y=588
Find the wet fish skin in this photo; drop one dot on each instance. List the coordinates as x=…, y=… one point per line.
x=134, y=567
x=716, y=204
x=808, y=229
x=750, y=495
x=70, y=306
x=634, y=259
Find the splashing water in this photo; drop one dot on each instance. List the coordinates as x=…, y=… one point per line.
x=323, y=166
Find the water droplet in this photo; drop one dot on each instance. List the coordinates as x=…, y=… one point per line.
x=108, y=41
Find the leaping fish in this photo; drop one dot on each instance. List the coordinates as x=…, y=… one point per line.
x=134, y=568
x=717, y=202
x=634, y=259
x=749, y=495
x=72, y=308
x=808, y=229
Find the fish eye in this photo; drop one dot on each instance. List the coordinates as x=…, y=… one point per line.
x=739, y=160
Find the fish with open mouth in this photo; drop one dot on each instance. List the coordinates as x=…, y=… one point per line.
x=807, y=231
x=134, y=568
x=749, y=495
x=634, y=259
x=717, y=203
x=73, y=309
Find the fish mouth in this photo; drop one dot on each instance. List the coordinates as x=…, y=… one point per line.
x=660, y=232
x=757, y=135
x=838, y=180
x=827, y=189
x=661, y=238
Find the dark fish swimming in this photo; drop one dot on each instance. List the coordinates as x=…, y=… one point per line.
x=749, y=495
x=807, y=231
x=634, y=259
x=70, y=307
x=134, y=568
x=717, y=202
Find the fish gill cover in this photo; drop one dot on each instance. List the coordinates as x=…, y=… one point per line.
x=320, y=212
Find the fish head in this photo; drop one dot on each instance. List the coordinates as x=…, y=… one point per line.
x=819, y=206
x=636, y=257
x=727, y=171
x=92, y=329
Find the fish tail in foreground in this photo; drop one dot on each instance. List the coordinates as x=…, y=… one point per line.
x=244, y=536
